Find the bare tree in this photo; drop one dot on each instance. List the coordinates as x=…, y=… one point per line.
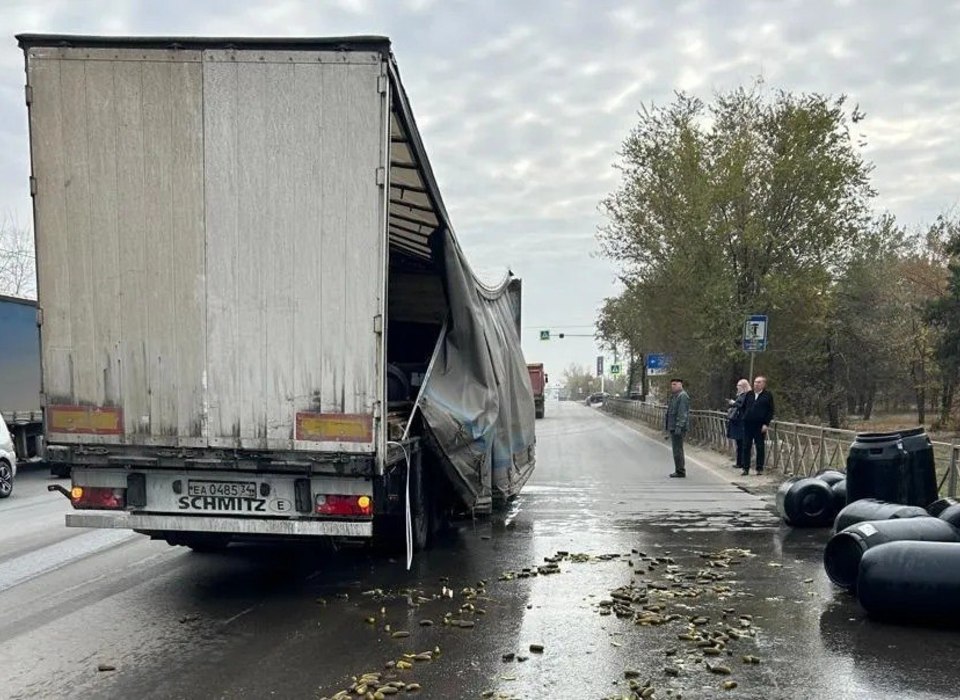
x=18, y=271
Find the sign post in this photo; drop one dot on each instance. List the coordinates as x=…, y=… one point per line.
x=755, y=337
x=600, y=370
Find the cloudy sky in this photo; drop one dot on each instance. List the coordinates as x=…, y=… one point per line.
x=523, y=104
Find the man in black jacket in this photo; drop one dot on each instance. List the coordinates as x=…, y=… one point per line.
x=758, y=415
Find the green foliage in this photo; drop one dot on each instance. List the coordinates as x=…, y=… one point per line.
x=580, y=383
x=760, y=203
x=943, y=312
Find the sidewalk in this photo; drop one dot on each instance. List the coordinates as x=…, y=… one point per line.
x=764, y=485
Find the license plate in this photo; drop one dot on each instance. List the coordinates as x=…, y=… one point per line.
x=228, y=489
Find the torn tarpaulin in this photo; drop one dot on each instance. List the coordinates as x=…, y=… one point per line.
x=477, y=401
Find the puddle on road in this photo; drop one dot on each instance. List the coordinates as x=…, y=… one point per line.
x=691, y=521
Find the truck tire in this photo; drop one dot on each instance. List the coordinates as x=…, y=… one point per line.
x=61, y=471
x=202, y=543
x=6, y=479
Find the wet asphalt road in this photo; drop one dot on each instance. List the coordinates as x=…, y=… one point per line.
x=259, y=622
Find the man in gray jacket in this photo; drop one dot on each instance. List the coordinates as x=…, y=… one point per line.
x=678, y=418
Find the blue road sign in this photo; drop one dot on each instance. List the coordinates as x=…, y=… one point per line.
x=755, y=334
x=658, y=363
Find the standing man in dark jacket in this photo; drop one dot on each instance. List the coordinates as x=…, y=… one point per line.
x=758, y=416
x=678, y=419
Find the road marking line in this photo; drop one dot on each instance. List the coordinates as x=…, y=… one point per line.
x=239, y=615
x=55, y=556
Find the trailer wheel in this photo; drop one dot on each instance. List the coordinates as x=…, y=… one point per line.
x=61, y=471
x=202, y=544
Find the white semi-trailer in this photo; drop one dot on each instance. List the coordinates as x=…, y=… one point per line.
x=255, y=319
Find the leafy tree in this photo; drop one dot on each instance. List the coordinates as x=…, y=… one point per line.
x=944, y=313
x=866, y=319
x=620, y=325
x=579, y=382
x=752, y=204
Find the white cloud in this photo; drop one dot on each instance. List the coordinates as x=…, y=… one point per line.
x=523, y=105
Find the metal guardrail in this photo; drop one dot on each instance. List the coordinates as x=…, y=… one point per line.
x=793, y=449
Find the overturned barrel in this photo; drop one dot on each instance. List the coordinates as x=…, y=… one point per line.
x=805, y=502
x=940, y=505
x=839, y=491
x=951, y=515
x=831, y=476
x=841, y=557
x=916, y=581
x=872, y=509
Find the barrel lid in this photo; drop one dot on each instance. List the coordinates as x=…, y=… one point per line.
x=874, y=438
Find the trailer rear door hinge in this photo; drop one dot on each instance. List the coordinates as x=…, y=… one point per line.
x=28, y=94
x=382, y=84
x=378, y=324
x=381, y=176
x=33, y=186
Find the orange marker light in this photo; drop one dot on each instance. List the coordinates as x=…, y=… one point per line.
x=364, y=503
x=76, y=493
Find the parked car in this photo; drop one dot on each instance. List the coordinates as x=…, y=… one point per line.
x=8, y=461
x=597, y=399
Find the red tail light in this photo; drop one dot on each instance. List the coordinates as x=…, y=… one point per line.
x=327, y=504
x=98, y=498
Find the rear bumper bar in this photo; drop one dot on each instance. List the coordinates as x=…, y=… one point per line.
x=222, y=525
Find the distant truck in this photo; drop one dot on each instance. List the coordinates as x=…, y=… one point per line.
x=20, y=375
x=256, y=319
x=538, y=381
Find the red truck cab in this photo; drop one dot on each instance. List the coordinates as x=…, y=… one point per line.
x=538, y=381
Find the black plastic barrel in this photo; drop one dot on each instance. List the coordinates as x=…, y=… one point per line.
x=806, y=502
x=831, y=476
x=951, y=515
x=872, y=509
x=940, y=505
x=920, y=481
x=841, y=557
x=839, y=491
x=915, y=581
x=875, y=464
x=894, y=467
